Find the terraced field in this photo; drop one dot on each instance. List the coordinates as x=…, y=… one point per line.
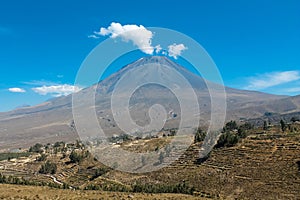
x=262, y=166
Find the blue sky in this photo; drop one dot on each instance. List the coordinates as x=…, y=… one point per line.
x=255, y=44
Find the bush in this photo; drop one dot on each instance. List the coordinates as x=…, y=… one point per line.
x=22, y=181
x=242, y=133
x=265, y=127
x=172, y=132
x=2, y=179
x=78, y=157
x=121, y=138
x=282, y=125
x=246, y=126
x=43, y=157
x=298, y=163
x=199, y=135
x=99, y=172
x=294, y=119
x=37, y=148
x=182, y=188
x=230, y=126
x=59, y=144
x=227, y=139
x=109, y=187
x=48, y=168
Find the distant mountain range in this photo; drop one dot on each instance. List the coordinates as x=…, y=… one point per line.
x=53, y=120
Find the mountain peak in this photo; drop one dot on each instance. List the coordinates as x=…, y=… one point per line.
x=154, y=59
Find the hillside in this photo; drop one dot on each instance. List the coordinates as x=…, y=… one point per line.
x=263, y=165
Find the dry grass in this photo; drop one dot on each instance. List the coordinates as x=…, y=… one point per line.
x=146, y=145
x=262, y=166
x=31, y=192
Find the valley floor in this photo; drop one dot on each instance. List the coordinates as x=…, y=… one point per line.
x=33, y=192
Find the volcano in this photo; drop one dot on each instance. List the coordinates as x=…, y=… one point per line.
x=53, y=120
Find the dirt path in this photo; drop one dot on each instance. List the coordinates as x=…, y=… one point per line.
x=55, y=179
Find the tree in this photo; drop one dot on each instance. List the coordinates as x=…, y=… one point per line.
x=282, y=125
x=246, y=126
x=199, y=135
x=75, y=157
x=294, y=119
x=2, y=179
x=59, y=144
x=172, y=132
x=37, y=148
x=242, y=133
x=227, y=139
x=265, y=127
x=298, y=163
x=230, y=126
x=99, y=172
x=48, y=168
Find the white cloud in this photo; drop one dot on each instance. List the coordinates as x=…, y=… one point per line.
x=93, y=36
x=175, y=50
x=139, y=35
x=16, y=90
x=268, y=80
x=56, y=90
x=39, y=82
x=158, y=48
x=295, y=89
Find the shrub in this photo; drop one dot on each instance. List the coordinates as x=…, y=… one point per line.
x=265, y=127
x=199, y=135
x=75, y=157
x=246, y=126
x=230, y=126
x=43, y=157
x=59, y=144
x=172, y=132
x=48, y=168
x=99, y=172
x=282, y=125
x=2, y=179
x=294, y=119
x=227, y=139
x=162, y=188
x=298, y=163
x=37, y=148
x=242, y=133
